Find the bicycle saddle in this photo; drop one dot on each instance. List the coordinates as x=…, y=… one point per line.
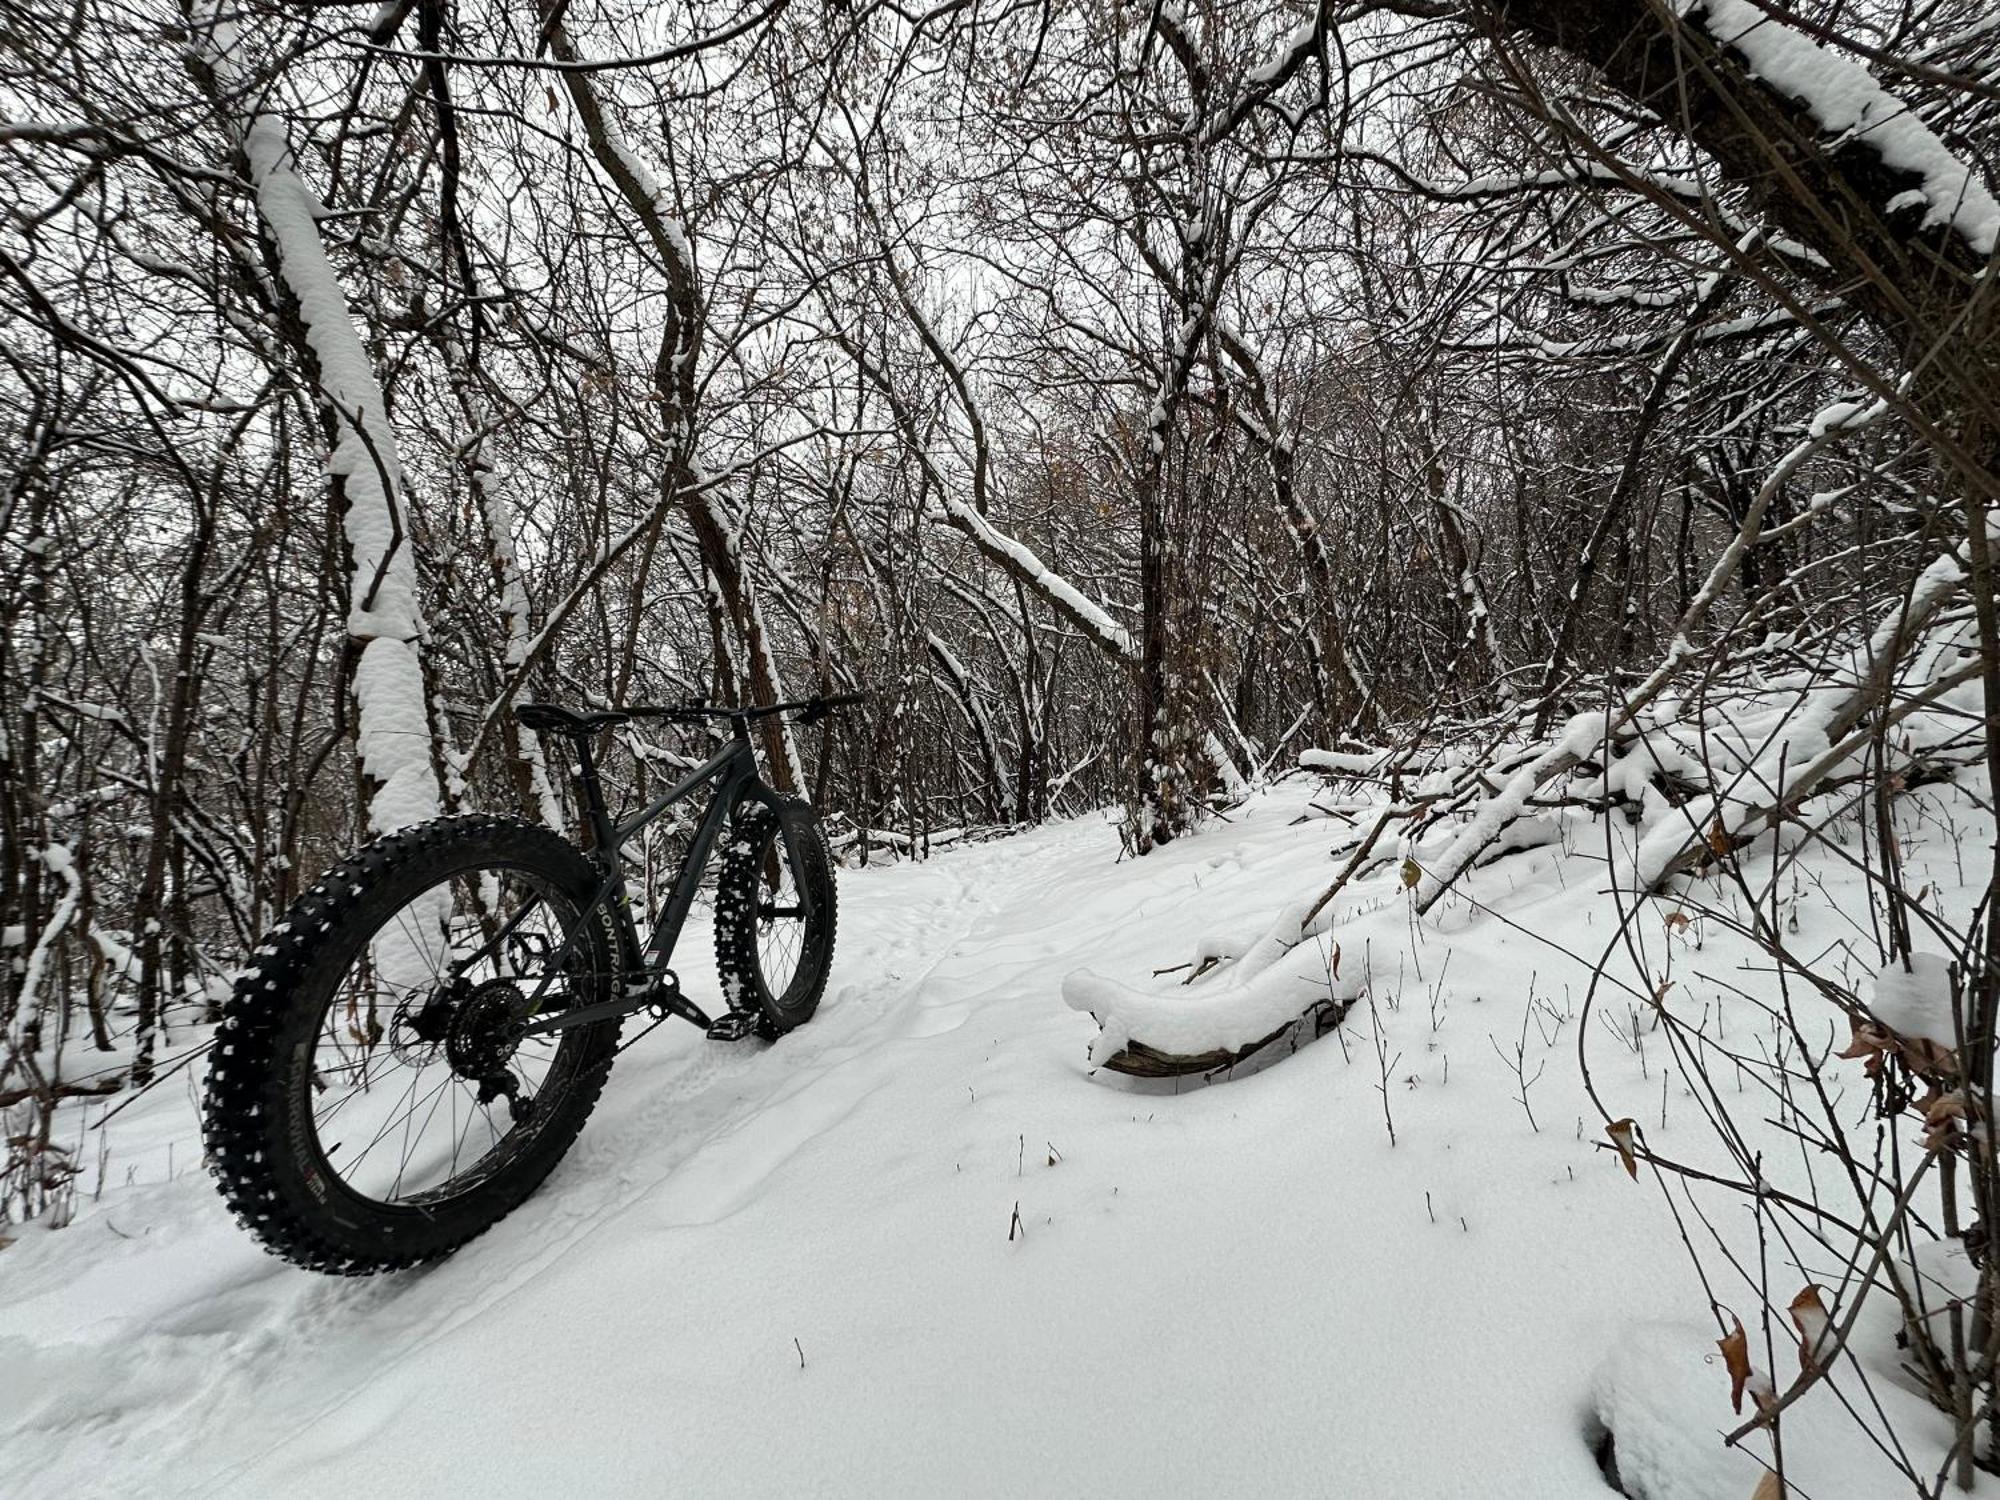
x=559, y=720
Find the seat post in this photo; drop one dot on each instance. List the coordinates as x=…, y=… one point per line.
x=593, y=795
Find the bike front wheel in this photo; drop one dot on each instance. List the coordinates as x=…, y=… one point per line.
x=373, y=1099
x=774, y=950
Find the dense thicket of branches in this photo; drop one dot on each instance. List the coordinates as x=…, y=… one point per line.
x=1124, y=396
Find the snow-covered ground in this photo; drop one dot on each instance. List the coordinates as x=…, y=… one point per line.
x=789, y=1269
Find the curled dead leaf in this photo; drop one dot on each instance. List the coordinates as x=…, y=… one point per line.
x=1735, y=1347
x=1866, y=1041
x=1944, y=1118
x=1872, y=1042
x=1809, y=1316
x=1927, y=1058
x=1412, y=873
x=1620, y=1132
x=1770, y=1487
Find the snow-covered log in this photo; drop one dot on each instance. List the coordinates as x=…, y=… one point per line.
x=1148, y=1034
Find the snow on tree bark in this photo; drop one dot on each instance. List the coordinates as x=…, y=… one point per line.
x=384, y=619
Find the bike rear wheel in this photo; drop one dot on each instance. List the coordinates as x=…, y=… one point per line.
x=371, y=1100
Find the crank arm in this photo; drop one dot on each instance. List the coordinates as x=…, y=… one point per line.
x=670, y=1000
x=604, y=1010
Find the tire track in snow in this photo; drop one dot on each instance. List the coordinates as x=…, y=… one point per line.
x=704, y=1128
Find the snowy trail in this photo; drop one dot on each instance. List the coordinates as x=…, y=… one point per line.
x=213, y=1336
x=1237, y=1289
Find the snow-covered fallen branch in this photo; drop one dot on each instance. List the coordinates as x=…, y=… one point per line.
x=1153, y=1034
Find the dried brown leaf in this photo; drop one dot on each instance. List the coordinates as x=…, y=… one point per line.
x=1620, y=1132
x=1810, y=1317
x=1867, y=1042
x=1944, y=1116
x=1735, y=1347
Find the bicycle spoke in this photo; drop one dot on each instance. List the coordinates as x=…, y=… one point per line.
x=386, y=1126
x=487, y=941
x=407, y=977
x=404, y=1165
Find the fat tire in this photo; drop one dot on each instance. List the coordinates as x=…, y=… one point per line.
x=752, y=831
x=268, y=1173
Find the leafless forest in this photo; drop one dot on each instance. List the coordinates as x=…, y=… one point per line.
x=1126, y=397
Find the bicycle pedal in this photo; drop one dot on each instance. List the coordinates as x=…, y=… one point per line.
x=732, y=1026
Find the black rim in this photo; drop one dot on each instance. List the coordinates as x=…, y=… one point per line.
x=782, y=934
x=416, y=1086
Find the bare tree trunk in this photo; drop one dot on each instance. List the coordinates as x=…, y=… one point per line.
x=675, y=370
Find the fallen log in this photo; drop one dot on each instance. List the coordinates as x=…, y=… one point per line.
x=1137, y=1060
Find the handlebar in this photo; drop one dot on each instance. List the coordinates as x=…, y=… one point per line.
x=549, y=716
x=809, y=710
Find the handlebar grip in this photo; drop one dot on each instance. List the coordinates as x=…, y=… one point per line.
x=812, y=711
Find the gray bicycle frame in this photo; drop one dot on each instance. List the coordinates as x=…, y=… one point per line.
x=733, y=770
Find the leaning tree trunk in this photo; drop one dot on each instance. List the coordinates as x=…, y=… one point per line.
x=394, y=740
x=1905, y=227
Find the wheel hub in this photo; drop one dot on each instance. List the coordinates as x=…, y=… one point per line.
x=485, y=1030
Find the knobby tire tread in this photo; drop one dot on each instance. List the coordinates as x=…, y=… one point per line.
x=247, y=1079
x=736, y=920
